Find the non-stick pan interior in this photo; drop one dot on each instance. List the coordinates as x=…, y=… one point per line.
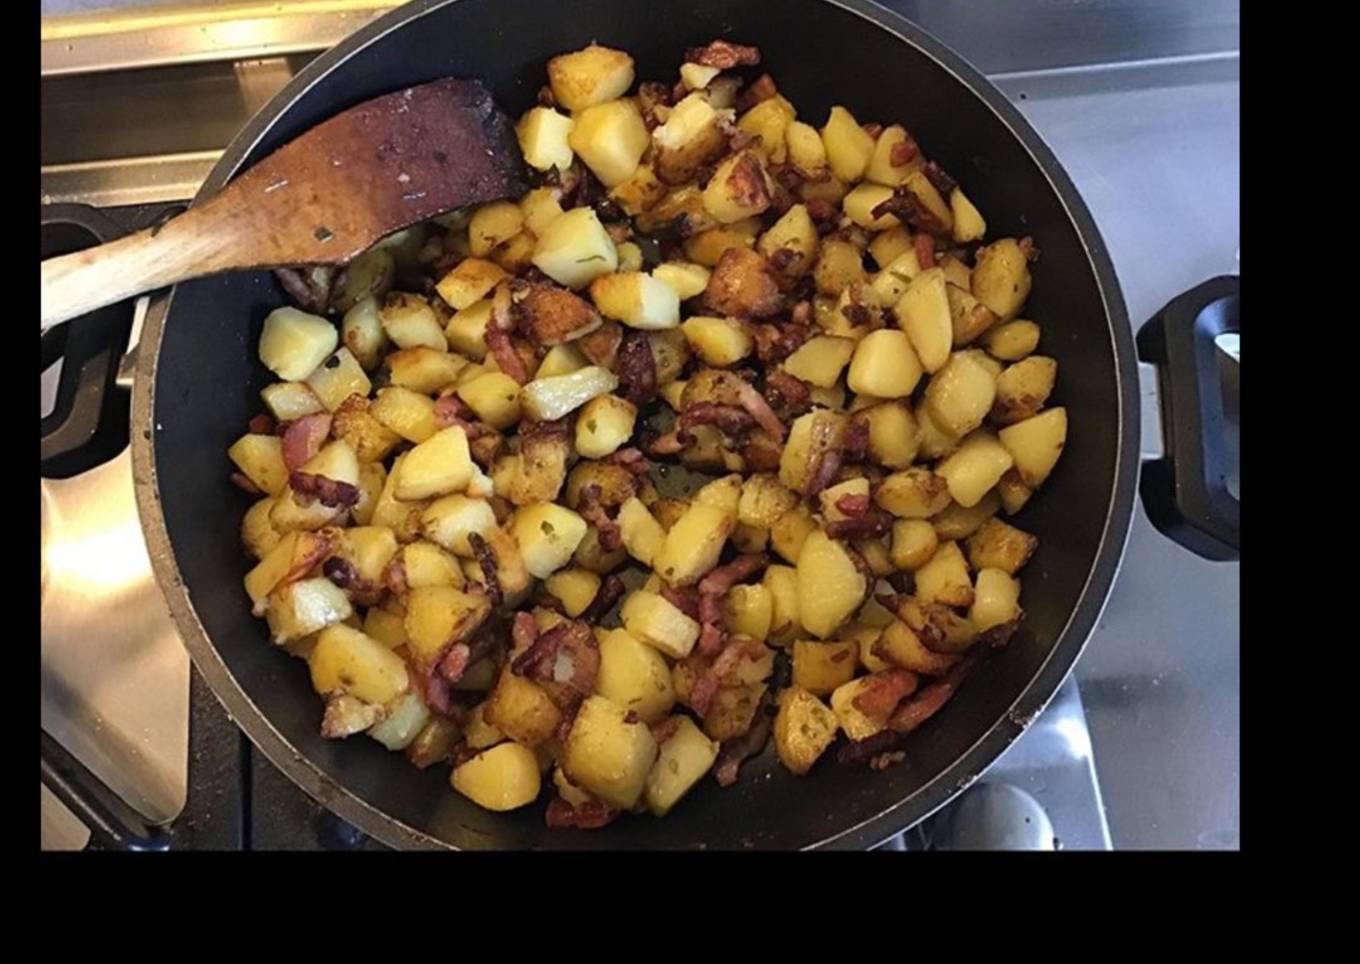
x=208, y=381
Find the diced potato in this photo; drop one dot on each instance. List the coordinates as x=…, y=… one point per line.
x=409, y=414
x=804, y=147
x=968, y=223
x=522, y=710
x=923, y=313
x=681, y=762
x=750, y=538
x=260, y=459
x=944, y=578
x=547, y=399
x=976, y=466
x=543, y=138
x=372, y=482
x=465, y=332
x=426, y=564
x=1023, y=388
x=636, y=299
x=865, y=637
x=763, y=500
x=293, y=343
x=733, y=710
x=961, y=393
x=355, y=424
x=790, y=532
x=593, y=556
x=257, y=535
x=894, y=438
x=434, y=743
x=859, y=206
x=540, y=207
x=767, y=121
x=335, y=461
x=369, y=549
x=589, y=76
x=839, y=265
x=830, y=584
x=881, y=169
x=913, y=493
x=423, y=369
x=470, y=281
x=848, y=146
x=684, y=278
x=605, y=423
x=298, y=609
x=913, y=543
x=739, y=188
x=970, y=318
x=398, y=729
x=347, y=661
x=492, y=225
x=1035, y=444
x=494, y=397
x=547, y=534
x=697, y=76
x=367, y=276
x=782, y=581
x=820, y=667
x=933, y=212
x=1013, y=340
x=439, y=465
x=707, y=247
x=997, y=545
x=693, y=544
x=857, y=724
x=561, y=360
x=996, y=600
x=810, y=437
x=610, y=138
x=794, y=233
x=900, y=645
x=288, y=401
x=576, y=588
x=386, y=627
x=935, y=442
x=641, y=192
x=503, y=777
x=574, y=249
x=885, y=365
x=718, y=341
x=832, y=494
x=689, y=139
x=748, y=611
x=410, y=321
x=293, y=556
x=889, y=250
x=803, y=728
x=642, y=535
x=654, y=620
x=607, y=755
x=449, y=521
x=1001, y=278
x=634, y=676
x=831, y=190
x=820, y=360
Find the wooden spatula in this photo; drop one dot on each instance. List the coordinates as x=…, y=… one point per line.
x=324, y=198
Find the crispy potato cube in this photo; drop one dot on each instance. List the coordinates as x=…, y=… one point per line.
x=970, y=318
x=260, y=459
x=642, y=535
x=889, y=248
x=574, y=249
x=790, y=532
x=398, y=729
x=608, y=755
x=974, y=467
x=605, y=423
x=465, y=332
x=547, y=534
x=923, y=313
x=354, y=424
x=740, y=188
x=434, y=743
x=763, y=501
x=298, y=609
x=803, y=728
x=368, y=276
x=839, y=265
x=901, y=646
x=544, y=138
x=859, y=206
x=961, y=393
x=423, y=369
x=767, y=121
x=996, y=600
x=372, y=481
x=681, y=761
x=689, y=139
x=369, y=549
x=576, y=588
x=494, y=397
x=718, y=341
x=492, y=225
x=589, y=76
x=448, y=522
x=634, y=676
x=848, y=147
x=409, y=414
x=684, y=278
x=470, y=281
x=820, y=667
x=820, y=360
x=782, y=581
x=561, y=360
x=293, y=343
x=1001, y=278
x=914, y=542
x=693, y=544
x=913, y=493
x=885, y=365
x=707, y=247
x=857, y=724
x=998, y=545
x=522, y=710
x=386, y=627
x=1035, y=444
x=611, y=139
x=1023, y=388
x=829, y=496
x=743, y=285
x=1012, y=341
x=548, y=399
x=257, y=535
x=292, y=556
x=540, y=206
x=437, y=466
x=288, y=401
x=656, y=621
x=830, y=584
x=502, y=777
x=944, y=578
x=881, y=169
x=804, y=147
x=894, y=438
x=790, y=244
x=479, y=734
x=636, y=299
x=933, y=213
x=748, y=611
x=733, y=710
x=410, y=321
x=426, y=564
x=968, y=223
x=347, y=661
x=810, y=437
x=641, y=192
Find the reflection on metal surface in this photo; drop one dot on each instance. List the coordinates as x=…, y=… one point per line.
x=1153, y=441
x=58, y=827
x=134, y=180
x=128, y=38
x=115, y=678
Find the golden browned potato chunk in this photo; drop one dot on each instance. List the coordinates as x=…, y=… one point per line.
x=741, y=285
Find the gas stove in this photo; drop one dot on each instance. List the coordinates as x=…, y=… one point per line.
x=1153, y=701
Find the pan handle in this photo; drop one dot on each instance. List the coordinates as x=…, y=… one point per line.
x=112, y=823
x=1190, y=488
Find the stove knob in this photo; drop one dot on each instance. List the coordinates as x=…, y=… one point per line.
x=994, y=816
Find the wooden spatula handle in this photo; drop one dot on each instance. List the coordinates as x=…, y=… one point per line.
x=74, y=284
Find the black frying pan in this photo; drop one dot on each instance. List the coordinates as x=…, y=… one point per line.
x=199, y=381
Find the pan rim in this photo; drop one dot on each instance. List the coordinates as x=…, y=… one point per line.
x=909, y=810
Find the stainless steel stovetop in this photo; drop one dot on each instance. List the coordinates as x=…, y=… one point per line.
x=1139, y=102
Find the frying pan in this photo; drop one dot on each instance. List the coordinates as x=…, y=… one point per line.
x=199, y=379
